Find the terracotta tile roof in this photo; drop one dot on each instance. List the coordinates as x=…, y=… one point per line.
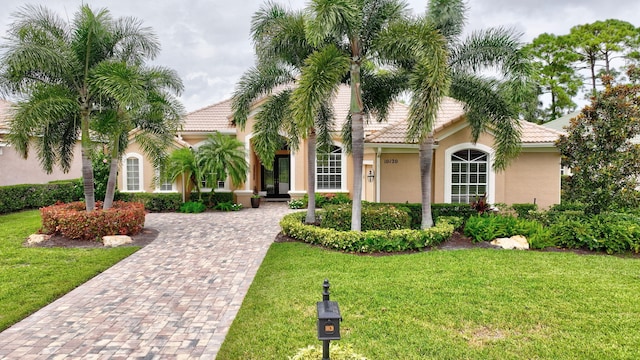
x=396, y=132
x=4, y=114
x=534, y=133
x=217, y=117
x=211, y=118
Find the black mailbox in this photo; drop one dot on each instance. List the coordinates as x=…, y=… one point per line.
x=328, y=320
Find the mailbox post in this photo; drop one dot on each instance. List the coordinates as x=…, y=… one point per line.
x=328, y=320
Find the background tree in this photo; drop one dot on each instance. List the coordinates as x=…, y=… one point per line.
x=599, y=43
x=600, y=150
x=555, y=75
x=50, y=64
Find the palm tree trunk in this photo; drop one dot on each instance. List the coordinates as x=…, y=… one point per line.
x=357, y=147
x=311, y=177
x=426, y=159
x=87, y=167
x=113, y=173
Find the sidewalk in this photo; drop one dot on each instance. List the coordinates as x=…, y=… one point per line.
x=173, y=299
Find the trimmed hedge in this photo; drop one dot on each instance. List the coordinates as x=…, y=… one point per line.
x=154, y=202
x=32, y=196
x=338, y=217
x=211, y=199
x=463, y=211
x=365, y=241
x=72, y=221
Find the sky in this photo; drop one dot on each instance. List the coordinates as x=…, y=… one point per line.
x=208, y=42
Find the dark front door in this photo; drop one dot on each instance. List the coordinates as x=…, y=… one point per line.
x=276, y=182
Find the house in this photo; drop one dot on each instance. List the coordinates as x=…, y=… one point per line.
x=461, y=169
x=14, y=169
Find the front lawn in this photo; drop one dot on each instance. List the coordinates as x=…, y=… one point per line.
x=30, y=278
x=459, y=304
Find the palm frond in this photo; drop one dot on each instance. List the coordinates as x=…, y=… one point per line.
x=269, y=121
x=319, y=82
x=324, y=127
x=255, y=83
x=376, y=16
x=448, y=17
x=333, y=19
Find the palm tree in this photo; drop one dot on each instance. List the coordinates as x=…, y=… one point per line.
x=282, y=47
x=50, y=63
x=490, y=103
x=138, y=98
x=220, y=156
x=353, y=26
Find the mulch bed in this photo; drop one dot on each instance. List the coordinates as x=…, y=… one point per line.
x=145, y=237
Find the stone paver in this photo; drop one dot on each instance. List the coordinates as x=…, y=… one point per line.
x=173, y=299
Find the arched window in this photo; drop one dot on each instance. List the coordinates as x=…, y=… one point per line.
x=468, y=173
x=329, y=170
x=132, y=175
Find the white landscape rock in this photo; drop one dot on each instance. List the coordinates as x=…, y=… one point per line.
x=116, y=240
x=518, y=242
x=37, y=238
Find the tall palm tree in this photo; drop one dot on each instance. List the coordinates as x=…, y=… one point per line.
x=354, y=27
x=50, y=64
x=281, y=47
x=490, y=103
x=140, y=98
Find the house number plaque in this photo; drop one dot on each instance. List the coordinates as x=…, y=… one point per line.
x=391, y=161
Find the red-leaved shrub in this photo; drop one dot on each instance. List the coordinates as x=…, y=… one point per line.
x=74, y=222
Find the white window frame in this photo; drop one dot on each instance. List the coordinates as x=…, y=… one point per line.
x=125, y=184
x=491, y=182
x=343, y=172
x=159, y=184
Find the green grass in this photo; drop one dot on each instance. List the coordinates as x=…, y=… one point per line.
x=30, y=278
x=465, y=304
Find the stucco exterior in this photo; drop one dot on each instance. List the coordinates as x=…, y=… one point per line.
x=391, y=164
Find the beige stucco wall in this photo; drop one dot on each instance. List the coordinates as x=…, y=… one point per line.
x=399, y=177
x=533, y=177
x=16, y=170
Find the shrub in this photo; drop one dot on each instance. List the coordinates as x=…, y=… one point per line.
x=297, y=204
x=365, y=241
x=154, y=202
x=33, y=196
x=337, y=351
x=609, y=232
x=386, y=217
x=323, y=199
x=192, y=207
x=74, y=222
x=523, y=210
x=211, y=199
x=228, y=206
x=486, y=228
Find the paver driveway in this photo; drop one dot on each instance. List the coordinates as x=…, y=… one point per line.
x=173, y=299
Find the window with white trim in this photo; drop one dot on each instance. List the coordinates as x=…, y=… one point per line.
x=132, y=173
x=469, y=175
x=329, y=169
x=163, y=184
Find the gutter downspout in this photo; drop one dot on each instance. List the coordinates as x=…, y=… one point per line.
x=377, y=170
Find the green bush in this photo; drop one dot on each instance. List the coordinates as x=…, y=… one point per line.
x=192, y=207
x=609, y=232
x=228, y=206
x=32, y=196
x=365, y=241
x=523, y=210
x=74, y=222
x=297, y=204
x=154, y=202
x=337, y=351
x=387, y=217
x=211, y=199
x=486, y=228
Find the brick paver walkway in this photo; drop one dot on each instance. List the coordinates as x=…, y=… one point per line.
x=173, y=299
